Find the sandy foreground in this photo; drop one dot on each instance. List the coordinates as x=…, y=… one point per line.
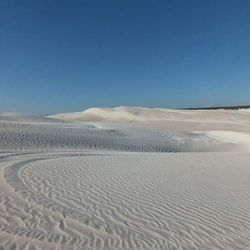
x=125, y=178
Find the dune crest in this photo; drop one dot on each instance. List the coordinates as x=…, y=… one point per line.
x=129, y=114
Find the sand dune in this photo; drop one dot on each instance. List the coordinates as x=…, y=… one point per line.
x=89, y=182
x=42, y=133
x=138, y=114
x=232, y=123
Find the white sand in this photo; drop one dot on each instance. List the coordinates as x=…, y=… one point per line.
x=94, y=185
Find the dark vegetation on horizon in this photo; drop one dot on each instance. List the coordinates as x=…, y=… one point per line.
x=220, y=107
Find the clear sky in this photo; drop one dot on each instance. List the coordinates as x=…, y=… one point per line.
x=62, y=56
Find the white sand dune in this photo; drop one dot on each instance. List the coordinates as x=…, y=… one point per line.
x=41, y=133
x=89, y=182
x=138, y=114
x=228, y=126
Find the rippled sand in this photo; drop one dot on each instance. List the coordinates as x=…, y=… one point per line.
x=109, y=185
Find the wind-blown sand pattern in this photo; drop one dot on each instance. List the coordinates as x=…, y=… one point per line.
x=137, y=185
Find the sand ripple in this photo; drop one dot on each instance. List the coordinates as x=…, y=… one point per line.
x=144, y=201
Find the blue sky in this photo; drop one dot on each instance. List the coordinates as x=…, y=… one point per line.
x=62, y=56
